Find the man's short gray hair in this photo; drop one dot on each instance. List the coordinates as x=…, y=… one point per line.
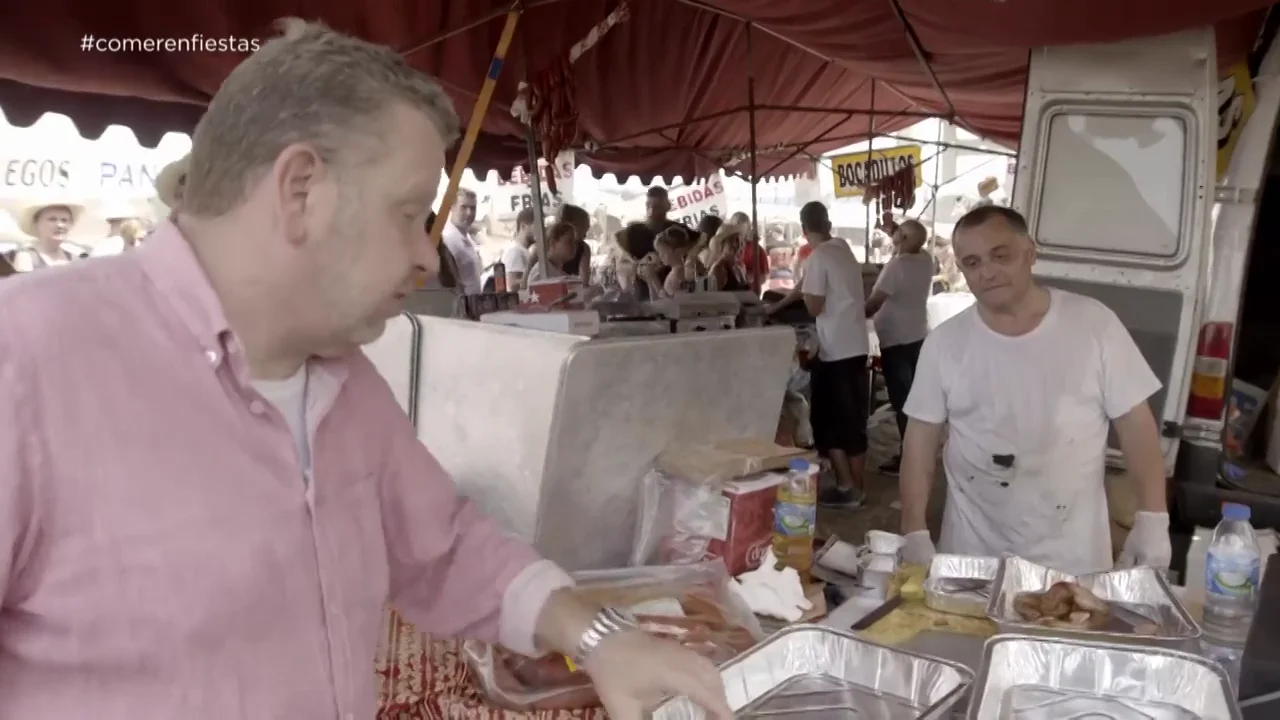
x=467, y=193
x=310, y=85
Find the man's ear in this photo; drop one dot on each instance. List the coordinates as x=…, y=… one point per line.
x=293, y=178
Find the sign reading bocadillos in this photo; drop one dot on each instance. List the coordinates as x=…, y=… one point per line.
x=852, y=173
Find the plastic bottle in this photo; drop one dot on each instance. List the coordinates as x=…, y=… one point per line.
x=795, y=515
x=1232, y=571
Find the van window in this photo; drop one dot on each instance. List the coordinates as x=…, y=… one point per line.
x=1132, y=196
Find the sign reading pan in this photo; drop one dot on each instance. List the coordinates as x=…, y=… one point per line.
x=853, y=172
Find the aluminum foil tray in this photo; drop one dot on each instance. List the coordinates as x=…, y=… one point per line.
x=960, y=584
x=1138, y=596
x=1035, y=678
x=817, y=672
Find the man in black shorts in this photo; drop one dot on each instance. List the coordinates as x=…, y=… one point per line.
x=839, y=381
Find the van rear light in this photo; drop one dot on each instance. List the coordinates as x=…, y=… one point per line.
x=1209, y=378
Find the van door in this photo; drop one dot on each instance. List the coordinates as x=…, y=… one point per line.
x=1115, y=177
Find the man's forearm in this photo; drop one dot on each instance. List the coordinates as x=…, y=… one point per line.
x=915, y=479
x=1143, y=457
x=563, y=620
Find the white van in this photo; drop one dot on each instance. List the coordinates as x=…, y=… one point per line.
x=1117, y=176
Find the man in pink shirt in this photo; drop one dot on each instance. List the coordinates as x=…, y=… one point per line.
x=207, y=493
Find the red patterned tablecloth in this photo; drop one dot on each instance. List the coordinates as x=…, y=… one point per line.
x=424, y=679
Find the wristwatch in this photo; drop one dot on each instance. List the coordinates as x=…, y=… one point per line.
x=607, y=622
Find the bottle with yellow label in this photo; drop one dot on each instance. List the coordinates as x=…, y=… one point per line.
x=795, y=516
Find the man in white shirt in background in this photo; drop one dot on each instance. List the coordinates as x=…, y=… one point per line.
x=516, y=257
x=899, y=306
x=459, y=238
x=1024, y=384
x=839, y=383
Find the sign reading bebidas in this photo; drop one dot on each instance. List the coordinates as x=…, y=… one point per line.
x=853, y=172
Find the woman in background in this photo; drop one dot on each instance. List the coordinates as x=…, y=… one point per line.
x=668, y=272
x=562, y=254
x=752, y=255
x=727, y=273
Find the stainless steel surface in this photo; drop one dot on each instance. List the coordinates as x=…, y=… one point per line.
x=686, y=306
x=956, y=647
x=559, y=467
x=960, y=584
x=878, y=614
x=817, y=672
x=1034, y=678
x=1139, y=593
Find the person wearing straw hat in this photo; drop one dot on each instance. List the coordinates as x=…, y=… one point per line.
x=49, y=225
x=235, y=552
x=171, y=183
x=120, y=222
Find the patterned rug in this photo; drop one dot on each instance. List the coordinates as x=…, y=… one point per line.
x=424, y=679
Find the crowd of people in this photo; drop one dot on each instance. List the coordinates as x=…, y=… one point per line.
x=48, y=225
x=211, y=496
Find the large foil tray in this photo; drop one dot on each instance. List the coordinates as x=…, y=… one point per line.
x=1036, y=678
x=817, y=672
x=1141, y=592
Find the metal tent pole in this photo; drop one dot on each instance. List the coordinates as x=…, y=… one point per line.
x=866, y=206
x=535, y=193
x=937, y=168
x=756, y=280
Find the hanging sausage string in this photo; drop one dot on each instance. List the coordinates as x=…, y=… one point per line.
x=548, y=102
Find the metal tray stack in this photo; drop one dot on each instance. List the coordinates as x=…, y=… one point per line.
x=960, y=584
x=1137, y=596
x=813, y=671
x=1036, y=678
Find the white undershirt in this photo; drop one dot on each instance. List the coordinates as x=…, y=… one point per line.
x=290, y=398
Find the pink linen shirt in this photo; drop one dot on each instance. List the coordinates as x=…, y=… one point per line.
x=160, y=554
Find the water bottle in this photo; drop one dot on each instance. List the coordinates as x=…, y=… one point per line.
x=796, y=515
x=1232, y=571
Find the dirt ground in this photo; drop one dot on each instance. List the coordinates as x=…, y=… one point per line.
x=882, y=491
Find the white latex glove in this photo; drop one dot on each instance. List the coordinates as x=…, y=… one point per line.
x=919, y=549
x=1148, y=542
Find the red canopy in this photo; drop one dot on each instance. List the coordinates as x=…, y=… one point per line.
x=641, y=90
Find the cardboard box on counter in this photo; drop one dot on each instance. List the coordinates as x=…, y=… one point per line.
x=727, y=460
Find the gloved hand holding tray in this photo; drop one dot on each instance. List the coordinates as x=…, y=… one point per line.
x=1133, y=606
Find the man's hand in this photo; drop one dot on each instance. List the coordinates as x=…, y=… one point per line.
x=919, y=549
x=1148, y=542
x=633, y=672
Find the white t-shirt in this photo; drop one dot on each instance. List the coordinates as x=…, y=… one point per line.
x=289, y=396
x=465, y=255
x=834, y=273
x=516, y=258
x=907, y=280
x=1027, y=420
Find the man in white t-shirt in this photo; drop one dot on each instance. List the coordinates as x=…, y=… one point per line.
x=1023, y=386
x=839, y=384
x=899, y=306
x=516, y=257
x=459, y=238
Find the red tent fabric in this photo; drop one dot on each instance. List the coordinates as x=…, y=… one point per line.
x=674, y=61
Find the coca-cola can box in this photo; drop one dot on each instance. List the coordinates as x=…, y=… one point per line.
x=742, y=530
x=552, y=292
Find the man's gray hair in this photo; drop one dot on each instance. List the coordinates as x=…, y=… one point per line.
x=309, y=85
x=467, y=193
